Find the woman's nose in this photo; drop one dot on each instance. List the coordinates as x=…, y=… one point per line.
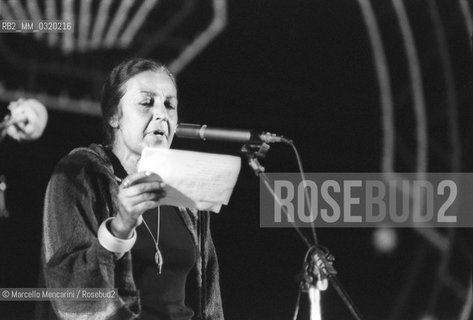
x=159, y=110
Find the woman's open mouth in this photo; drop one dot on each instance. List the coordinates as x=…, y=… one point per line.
x=157, y=134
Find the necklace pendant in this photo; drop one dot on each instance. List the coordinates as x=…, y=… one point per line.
x=158, y=258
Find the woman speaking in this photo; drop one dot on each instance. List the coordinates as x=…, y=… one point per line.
x=104, y=226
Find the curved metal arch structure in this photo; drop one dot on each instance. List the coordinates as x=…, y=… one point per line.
x=163, y=30
x=441, y=242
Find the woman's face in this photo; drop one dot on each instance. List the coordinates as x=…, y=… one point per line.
x=147, y=114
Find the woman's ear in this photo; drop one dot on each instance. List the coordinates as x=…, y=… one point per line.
x=113, y=122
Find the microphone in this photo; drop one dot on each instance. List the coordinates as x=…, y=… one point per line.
x=26, y=121
x=197, y=131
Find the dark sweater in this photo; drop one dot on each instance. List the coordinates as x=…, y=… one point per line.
x=81, y=194
x=163, y=296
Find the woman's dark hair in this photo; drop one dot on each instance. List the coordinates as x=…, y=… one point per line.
x=113, y=89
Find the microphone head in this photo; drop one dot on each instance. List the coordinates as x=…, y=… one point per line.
x=28, y=119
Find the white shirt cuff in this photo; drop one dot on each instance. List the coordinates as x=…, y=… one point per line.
x=112, y=243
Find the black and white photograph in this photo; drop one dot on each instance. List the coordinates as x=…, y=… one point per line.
x=236, y=159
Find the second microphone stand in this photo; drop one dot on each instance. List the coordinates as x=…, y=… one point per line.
x=318, y=270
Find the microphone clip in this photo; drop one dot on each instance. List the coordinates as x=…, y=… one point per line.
x=253, y=152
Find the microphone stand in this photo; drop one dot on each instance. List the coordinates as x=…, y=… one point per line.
x=3, y=207
x=3, y=184
x=318, y=268
x=4, y=126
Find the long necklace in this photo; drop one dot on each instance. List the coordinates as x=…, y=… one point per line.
x=158, y=257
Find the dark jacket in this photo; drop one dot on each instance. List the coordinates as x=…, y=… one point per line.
x=81, y=194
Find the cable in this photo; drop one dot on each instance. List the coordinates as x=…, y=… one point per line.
x=284, y=209
x=298, y=300
x=306, y=195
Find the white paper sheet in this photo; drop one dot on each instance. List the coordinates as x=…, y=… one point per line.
x=198, y=180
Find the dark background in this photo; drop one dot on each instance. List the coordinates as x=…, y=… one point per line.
x=303, y=69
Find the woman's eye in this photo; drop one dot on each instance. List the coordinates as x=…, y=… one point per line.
x=169, y=104
x=147, y=102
